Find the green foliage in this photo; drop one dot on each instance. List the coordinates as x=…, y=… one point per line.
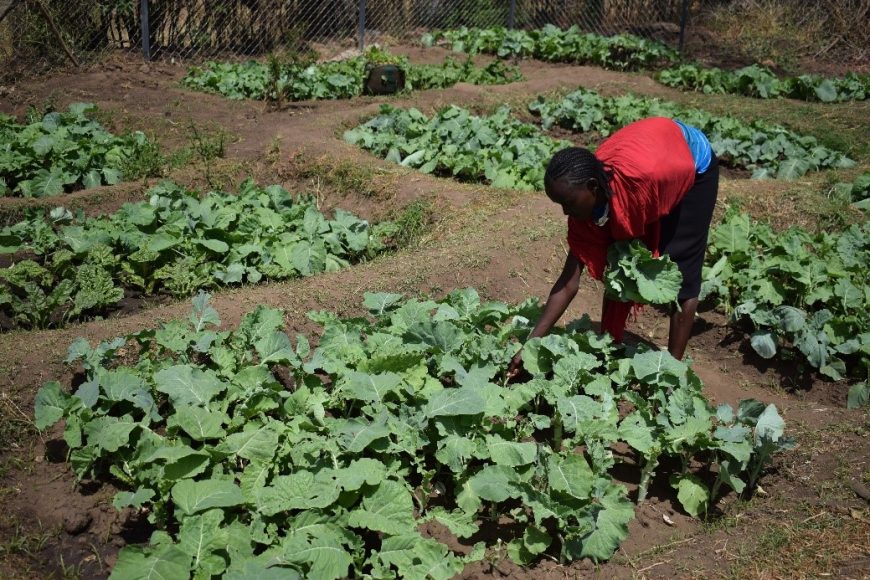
x=175, y=243
x=766, y=149
x=801, y=293
x=760, y=82
x=451, y=71
x=404, y=228
x=328, y=472
x=634, y=275
x=65, y=151
x=496, y=149
x=334, y=80
x=550, y=43
x=856, y=193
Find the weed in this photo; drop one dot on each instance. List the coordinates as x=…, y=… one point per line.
x=404, y=228
x=412, y=222
x=26, y=543
x=71, y=572
x=343, y=176
x=273, y=153
x=206, y=146
x=16, y=427
x=146, y=161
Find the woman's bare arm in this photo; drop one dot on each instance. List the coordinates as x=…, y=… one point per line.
x=560, y=297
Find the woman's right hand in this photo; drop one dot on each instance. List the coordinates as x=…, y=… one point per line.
x=516, y=365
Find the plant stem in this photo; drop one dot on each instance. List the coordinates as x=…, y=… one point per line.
x=646, y=475
x=557, y=432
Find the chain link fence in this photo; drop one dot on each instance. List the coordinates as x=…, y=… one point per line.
x=41, y=35
x=36, y=35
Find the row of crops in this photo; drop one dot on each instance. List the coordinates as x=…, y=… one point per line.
x=64, y=151
x=507, y=153
x=395, y=419
x=760, y=82
x=175, y=243
x=342, y=79
x=628, y=52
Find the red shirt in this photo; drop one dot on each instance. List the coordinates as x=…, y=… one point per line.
x=652, y=169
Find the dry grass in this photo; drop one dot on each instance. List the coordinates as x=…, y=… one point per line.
x=820, y=544
x=342, y=176
x=785, y=34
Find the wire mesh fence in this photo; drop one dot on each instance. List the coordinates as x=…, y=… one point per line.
x=39, y=35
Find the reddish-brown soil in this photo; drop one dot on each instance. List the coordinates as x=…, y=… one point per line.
x=509, y=246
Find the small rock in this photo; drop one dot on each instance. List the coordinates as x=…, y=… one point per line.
x=75, y=524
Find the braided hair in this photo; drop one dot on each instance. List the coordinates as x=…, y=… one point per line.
x=578, y=165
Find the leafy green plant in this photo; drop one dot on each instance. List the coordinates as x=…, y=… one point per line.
x=344, y=79
x=856, y=193
x=550, y=43
x=495, y=149
x=801, y=293
x=395, y=419
x=766, y=149
x=760, y=82
x=634, y=275
x=62, y=152
x=174, y=244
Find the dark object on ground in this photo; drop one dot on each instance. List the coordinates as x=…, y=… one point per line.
x=860, y=489
x=386, y=79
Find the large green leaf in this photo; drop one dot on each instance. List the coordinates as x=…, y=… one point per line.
x=199, y=537
x=692, y=493
x=614, y=511
x=452, y=402
x=495, y=483
x=256, y=444
x=859, y=395
x=459, y=523
x=357, y=434
x=143, y=563
x=109, y=433
x=325, y=557
x=764, y=343
x=511, y=453
x=570, y=474
x=199, y=423
x=187, y=385
x=298, y=491
x=370, y=387
x=50, y=403
x=388, y=509
x=413, y=556
x=191, y=497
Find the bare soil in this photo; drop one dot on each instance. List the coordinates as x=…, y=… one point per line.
x=508, y=245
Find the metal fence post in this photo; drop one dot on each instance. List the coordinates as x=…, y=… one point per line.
x=145, y=20
x=512, y=14
x=362, y=25
x=683, y=20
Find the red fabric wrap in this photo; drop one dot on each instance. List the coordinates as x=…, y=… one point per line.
x=652, y=169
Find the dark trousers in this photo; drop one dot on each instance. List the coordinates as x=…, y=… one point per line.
x=685, y=230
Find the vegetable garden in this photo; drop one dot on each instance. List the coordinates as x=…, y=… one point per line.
x=293, y=363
